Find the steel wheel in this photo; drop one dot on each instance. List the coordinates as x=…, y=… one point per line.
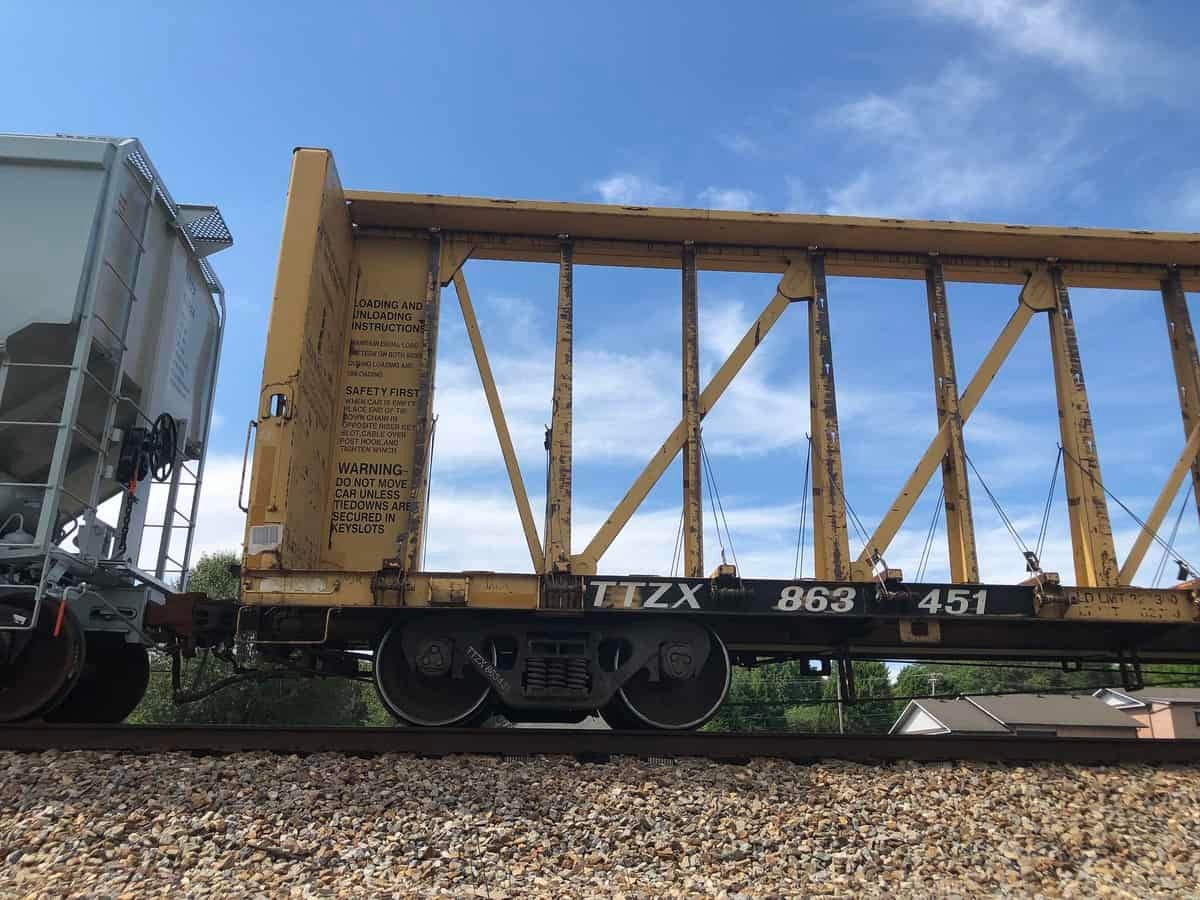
x=429, y=700
x=673, y=703
x=48, y=667
x=114, y=681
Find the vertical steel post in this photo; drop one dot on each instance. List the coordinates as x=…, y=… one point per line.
x=693, y=507
x=1091, y=530
x=1185, y=359
x=558, y=486
x=414, y=536
x=831, y=543
x=960, y=525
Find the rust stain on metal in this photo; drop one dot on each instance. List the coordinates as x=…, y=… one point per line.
x=693, y=526
x=960, y=526
x=1184, y=359
x=558, y=487
x=830, y=538
x=1091, y=530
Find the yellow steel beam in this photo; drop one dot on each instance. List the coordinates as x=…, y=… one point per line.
x=1141, y=544
x=1185, y=360
x=502, y=434
x=770, y=258
x=1037, y=295
x=831, y=543
x=412, y=538
x=960, y=525
x=672, y=227
x=796, y=284
x=558, y=475
x=1087, y=507
x=693, y=508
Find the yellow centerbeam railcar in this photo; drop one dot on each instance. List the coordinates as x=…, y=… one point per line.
x=336, y=504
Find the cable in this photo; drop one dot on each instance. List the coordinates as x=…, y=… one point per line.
x=1021, y=545
x=799, y=566
x=1041, y=541
x=1191, y=569
x=927, y=550
x=1162, y=563
x=678, y=544
x=720, y=506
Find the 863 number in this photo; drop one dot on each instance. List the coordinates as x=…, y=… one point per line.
x=816, y=599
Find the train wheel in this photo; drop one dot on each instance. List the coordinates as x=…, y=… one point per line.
x=115, y=677
x=681, y=698
x=44, y=672
x=427, y=693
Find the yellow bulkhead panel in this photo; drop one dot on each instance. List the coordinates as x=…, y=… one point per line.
x=298, y=409
x=375, y=499
x=345, y=402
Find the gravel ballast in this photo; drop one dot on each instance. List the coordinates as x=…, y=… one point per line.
x=87, y=824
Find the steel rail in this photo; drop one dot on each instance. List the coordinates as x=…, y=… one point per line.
x=594, y=745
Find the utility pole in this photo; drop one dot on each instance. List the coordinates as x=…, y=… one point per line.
x=838, y=675
x=933, y=680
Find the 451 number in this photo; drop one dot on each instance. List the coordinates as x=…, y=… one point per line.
x=816, y=599
x=954, y=602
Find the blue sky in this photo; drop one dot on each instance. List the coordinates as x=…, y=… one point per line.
x=1031, y=111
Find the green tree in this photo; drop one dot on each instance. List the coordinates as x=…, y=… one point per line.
x=766, y=698
x=951, y=679
x=288, y=701
x=873, y=710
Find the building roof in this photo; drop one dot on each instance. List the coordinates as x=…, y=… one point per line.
x=1166, y=694
x=1053, y=710
x=954, y=715
x=1118, y=699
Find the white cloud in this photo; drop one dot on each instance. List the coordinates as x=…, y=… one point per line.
x=740, y=143
x=799, y=199
x=936, y=157
x=1186, y=213
x=629, y=189
x=1071, y=35
x=727, y=198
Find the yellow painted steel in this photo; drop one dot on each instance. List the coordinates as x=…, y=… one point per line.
x=693, y=507
x=655, y=235
x=341, y=464
x=1087, y=506
x=484, y=590
x=1185, y=361
x=299, y=405
x=960, y=524
x=1187, y=459
x=520, y=497
x=1037, y=295
x=880, y=263
x=1123, y=604
x=558, y=441
x=831, y=543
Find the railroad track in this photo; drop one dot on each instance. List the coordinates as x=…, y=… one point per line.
x=592, y=745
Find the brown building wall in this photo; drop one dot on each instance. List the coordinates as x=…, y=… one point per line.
x=1145, y=726
x=1164, y=723
x=1095, y=731
x=1183, y=719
